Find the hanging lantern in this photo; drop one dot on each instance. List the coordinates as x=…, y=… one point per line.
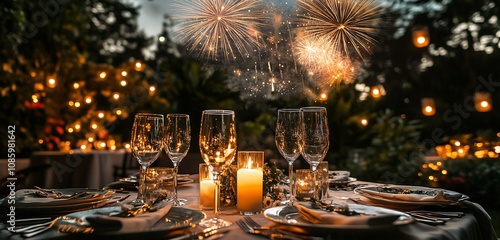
x=421, y=36
x=428, y=106
x=377, y=91
x=482, y=101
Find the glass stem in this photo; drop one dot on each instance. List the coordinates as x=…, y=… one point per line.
x=316, y=190
x=290, y=177
x=216, y=197
x=176, y=169
x=142, y=184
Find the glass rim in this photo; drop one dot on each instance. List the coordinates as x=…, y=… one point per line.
x=177, y=115
x=289, y=110
x=149, y=115
x=312, y=109
x=218, y=112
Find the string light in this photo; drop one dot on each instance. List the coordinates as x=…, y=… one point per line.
x=93, y=126
x=138, y=66
x=78, y=126
x=90, y=139
x=70, y=130
x=88, y=100
x=71, y=103
x=40, y=141
x=51, y=82
x=323, y=97
x=76, y=85
x=116, y=96
x=364, y=122
x=102, y=75
x=118, y=112
x=100, y=115
x=124, y=73
x=152, y=88
x=123, y=83
x=35, y=98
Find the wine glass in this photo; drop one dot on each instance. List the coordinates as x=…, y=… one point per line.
x=218, y=149
x=177, y=142
x=146, y=144
x=315, y=135
x=287, y=138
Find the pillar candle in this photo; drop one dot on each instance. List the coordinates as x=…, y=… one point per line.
x=207, y=192
x=249, y=189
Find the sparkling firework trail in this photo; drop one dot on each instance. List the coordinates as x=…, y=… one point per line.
x=345, y=25
x=326, y=64
x=219, y=29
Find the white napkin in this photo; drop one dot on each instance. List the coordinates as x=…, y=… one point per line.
x=324, y=217
x=140, y=222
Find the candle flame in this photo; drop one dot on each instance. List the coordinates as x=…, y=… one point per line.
x=249, y=165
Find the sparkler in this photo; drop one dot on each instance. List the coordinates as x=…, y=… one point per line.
x=345, y=25
x=219, y=28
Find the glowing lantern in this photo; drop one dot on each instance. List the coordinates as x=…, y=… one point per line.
x=482, y=101
x=428, y=106
x=421, y=37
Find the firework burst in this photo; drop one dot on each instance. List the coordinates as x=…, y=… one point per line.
x=346, y=25
x=219, y=29
x=324, y=63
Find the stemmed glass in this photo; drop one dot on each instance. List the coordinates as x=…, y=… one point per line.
x=146, y=145
x=315, y=135
x=287, y=138
x=218, y=149
x=177, y=142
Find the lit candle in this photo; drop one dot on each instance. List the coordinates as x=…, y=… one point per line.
x=207, y=187
x=207, y=190
x=250, y=181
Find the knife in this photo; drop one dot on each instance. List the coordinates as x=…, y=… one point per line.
x=207, y=232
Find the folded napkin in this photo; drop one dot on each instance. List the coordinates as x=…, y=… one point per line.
x=140, y=222
x=324, y=217
x=415, y=193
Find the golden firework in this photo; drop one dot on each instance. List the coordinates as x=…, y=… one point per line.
x=324, y=62
x=219, y=29
x=345, y=25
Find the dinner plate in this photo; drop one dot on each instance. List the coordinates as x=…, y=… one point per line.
x=342, y=181
x=409, y=197
x=410, y=194
x=27, y=197
x=332, y=174
x=176, y=218
x=289, y=215
x=28, y=204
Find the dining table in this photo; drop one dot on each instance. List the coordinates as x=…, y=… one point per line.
x=474, y=224
x=92, y=169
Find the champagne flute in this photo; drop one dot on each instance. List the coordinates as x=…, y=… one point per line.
x=177, y=142
x=315, y=135
x=218, y=149
x=287, y=138
x=146, y=145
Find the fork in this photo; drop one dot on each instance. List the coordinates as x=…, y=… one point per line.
x=35, y=231
x=257, y=226
x=274, y=233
